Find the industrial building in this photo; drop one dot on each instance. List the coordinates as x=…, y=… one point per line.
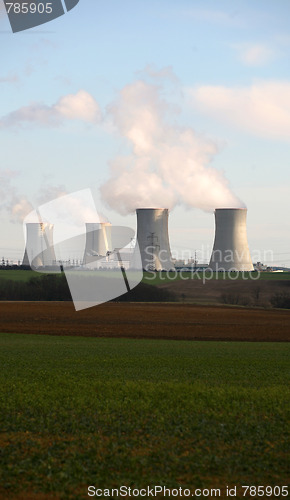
x=230, y=249
x=39, y=250
x=152, y=251
x=98, y=241
x=153, y=240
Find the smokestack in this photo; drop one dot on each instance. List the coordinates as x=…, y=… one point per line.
x=98, y=240
x=230, y=249
x=153, y=239
x=39, y=251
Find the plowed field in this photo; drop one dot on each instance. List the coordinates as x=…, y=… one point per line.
x=136, y=320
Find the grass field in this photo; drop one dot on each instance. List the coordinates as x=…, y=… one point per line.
x=18, y=275
x=110, y=412
x=158, y=278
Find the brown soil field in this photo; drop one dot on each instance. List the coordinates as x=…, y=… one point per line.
x=147, y=320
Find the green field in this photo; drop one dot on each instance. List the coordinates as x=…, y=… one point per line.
x=111, y=412
x=156, y=278
x=159, y=278
x=18, y=275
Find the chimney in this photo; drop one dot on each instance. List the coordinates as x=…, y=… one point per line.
x=153, y=239
x=98, y=241
x=39, y=251
x=230, y=249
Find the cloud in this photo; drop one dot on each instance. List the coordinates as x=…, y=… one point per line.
x=212, y=16
x=19, y=209
x=6, y=186
x=255, y=54
x=168, y=164
x=50, y=192
x=35, y=113
x=11, y=201
x=158, y=75
x=262, y=109
x=68, y=212
x=80, y=106
x=10, y=78
x=17, y=205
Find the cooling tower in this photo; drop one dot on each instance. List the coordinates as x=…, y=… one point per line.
x=230, y=248
x=153, y=240
x=39, y=249
x=98, y=241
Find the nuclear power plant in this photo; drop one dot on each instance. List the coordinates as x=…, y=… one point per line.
x=153, y=239
x=230, y=249
x=39, y=251
x=98, y=241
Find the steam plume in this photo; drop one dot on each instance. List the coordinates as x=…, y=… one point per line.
x=168, y=164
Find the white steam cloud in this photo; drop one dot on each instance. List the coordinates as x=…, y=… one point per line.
x=19, y=209
x=262, y=109
x=17, y=205
x=6, y=187
x=54, y=202
x=168, y=164
x=11, y=201
x=80, y=106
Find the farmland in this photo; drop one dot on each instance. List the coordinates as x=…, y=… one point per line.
x=18, y=274
x=190, y=393
x=79, y=411
x=174, y=321
x=244, y=289
x=158, y=277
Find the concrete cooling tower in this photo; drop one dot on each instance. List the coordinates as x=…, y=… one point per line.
x=153, y=239
x=230, y=249
x=39, y=251
x=98, y=241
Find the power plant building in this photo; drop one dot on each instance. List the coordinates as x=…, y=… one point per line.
x=152, y=252
x=39, y=251
x=230, y=249
x=98, y=241
x=153, y=239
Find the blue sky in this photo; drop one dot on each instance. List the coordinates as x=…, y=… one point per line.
x=189, y=100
